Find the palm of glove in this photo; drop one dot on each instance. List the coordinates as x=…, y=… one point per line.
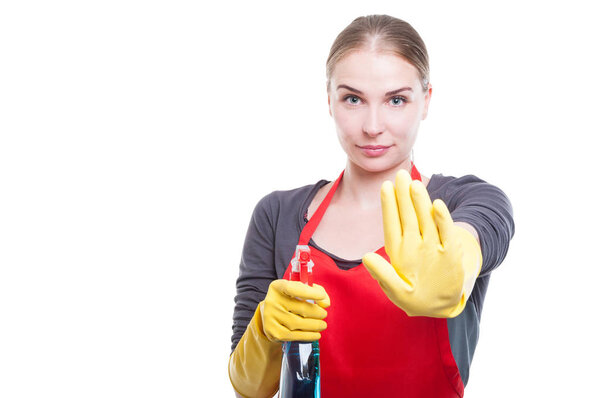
x=430, y=273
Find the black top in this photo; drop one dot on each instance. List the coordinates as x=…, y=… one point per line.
x=279, y=217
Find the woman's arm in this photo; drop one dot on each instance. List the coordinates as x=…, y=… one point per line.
x=255, y=364
x=257, y=268
x=435, y=258
x=484, y=209
x=255, y=361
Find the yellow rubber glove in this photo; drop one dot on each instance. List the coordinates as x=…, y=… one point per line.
x=434, y=263
x=283, y=315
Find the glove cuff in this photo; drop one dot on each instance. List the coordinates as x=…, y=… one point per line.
x=472, y=258
x=471, y=262
x=255, y=364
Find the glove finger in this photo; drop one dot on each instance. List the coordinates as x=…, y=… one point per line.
x=295, y=322
x=408, y=217
x=392, y=229
x=424, y=210
x=303, y=308
x=384, y=273
x=299, y=290
x=444, y=222
x=282, y=333
x=326, y=302
x=305, y=336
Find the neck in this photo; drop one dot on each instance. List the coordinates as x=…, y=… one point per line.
x=364, y=187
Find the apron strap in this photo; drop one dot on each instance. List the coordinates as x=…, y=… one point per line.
x=414, y=173
x=314, y=221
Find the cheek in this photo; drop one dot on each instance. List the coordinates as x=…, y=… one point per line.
x=404, y=123
x=347, y=122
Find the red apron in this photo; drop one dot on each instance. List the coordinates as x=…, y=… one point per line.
x=371, y=348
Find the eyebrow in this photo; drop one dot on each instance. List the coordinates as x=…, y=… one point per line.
x=386, y=94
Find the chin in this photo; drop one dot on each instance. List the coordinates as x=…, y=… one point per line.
x=375, y=166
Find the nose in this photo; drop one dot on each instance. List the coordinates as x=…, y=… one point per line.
x=373, y=124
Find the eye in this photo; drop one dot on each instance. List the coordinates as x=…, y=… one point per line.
x=352, y=99
x=397, y=101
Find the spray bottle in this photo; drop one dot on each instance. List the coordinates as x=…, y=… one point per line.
x=300, y=367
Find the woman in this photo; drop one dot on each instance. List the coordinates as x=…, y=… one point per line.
x=404, y=320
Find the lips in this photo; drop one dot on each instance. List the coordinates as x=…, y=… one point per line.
x=374, y=146
x=374, y=150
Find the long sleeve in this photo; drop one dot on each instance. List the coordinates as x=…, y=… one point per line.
x=270, y=242
x=257, y=268
x=488, y=210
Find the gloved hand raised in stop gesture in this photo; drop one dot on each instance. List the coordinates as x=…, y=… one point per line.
x=434, y=263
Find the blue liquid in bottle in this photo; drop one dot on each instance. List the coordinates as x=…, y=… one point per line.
x=300, y=370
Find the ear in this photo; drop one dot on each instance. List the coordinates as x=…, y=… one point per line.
x=328, y=98
x=427, y=99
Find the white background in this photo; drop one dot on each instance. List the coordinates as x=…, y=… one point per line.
x=137, y=137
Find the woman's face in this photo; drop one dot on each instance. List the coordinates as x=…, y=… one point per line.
x=377, y=102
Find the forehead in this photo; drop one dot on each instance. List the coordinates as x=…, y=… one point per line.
x=374, y=69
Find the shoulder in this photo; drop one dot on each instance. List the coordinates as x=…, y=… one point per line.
x=287, y=201
x=471, y=189
x=441, y=182
x=448, y=185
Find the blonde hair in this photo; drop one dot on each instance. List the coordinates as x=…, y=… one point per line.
x=384, y=33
